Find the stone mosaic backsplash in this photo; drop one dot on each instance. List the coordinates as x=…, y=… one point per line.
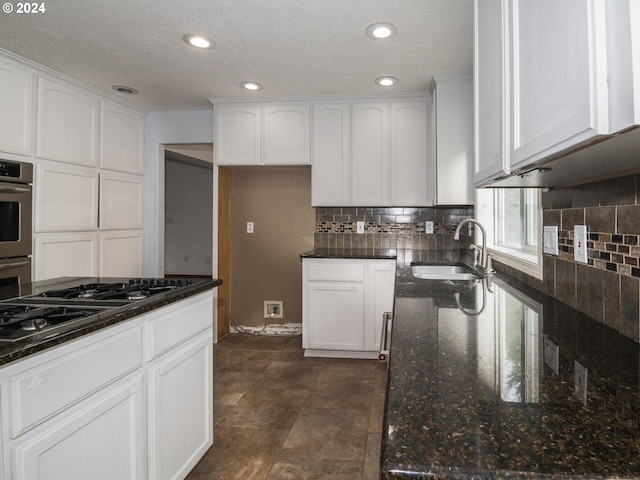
x=389, y=227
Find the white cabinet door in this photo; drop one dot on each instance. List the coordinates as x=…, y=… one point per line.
x=181, y=409
x=66, y=197
x=330, y=155
x=490, y=59
x=410, y=185
x=67, y=123
x=16, y=113
x=370, y=154
x=558, y=77
x=121, y=199
x=238, y=134
x=286, y=134
x=65, y=255
x=103, y=440
x=335, y=316
x=381, y=279
x=454, y=140
x=121, y=253
x=122, y=139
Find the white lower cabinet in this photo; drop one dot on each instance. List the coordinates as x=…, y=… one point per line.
x=180, y=410
x=105, y=406
x=102, y=440
x=343, y=301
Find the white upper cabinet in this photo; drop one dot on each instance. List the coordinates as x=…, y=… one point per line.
x=330, y=155
x=453, y=106
x=68, y=120
x=262, y=134
x=370, y=153
x=122, y=139
x=16, y=113
x=286, y=134
x=490, y=103
x=238, y=134
x=66, y=197
x=558, y=76
x=408, y=159
x=121, y=201
x=556, y=83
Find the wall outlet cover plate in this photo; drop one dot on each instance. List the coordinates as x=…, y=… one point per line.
x=580, y=243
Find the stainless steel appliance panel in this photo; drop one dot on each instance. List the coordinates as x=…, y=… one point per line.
x=15, y=271
x=15, y=208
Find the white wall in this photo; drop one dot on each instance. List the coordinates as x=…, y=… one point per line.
x=188, y=126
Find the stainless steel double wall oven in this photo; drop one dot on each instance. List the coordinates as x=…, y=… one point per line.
x=16, y=198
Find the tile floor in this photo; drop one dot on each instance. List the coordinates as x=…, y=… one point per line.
x=280, y=416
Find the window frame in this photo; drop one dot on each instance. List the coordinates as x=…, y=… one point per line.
x=489, y=212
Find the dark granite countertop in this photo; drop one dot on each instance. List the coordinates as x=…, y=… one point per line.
x=10, y=352
x=506, y=383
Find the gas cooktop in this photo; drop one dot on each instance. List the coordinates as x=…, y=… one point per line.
x=52, y=310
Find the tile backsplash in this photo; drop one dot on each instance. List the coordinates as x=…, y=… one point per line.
x=389, y=227
x=608, y=287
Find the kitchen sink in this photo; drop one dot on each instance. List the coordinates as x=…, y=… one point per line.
x=444, y=271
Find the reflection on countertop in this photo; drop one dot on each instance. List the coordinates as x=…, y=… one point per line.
x=497, y=380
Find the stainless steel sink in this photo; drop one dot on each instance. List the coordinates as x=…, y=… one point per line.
x=440, y=271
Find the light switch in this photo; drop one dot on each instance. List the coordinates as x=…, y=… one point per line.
x=360, y=227
x=551, y=240
x=580, y=243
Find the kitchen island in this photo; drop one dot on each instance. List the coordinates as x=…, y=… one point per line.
x=124, y=392
x=500, y=381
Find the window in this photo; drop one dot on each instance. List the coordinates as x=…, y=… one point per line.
x=512, y=218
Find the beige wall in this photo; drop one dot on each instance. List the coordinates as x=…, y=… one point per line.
x=266, y=265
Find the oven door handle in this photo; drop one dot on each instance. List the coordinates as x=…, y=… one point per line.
x=8, y=188
x=6, y=266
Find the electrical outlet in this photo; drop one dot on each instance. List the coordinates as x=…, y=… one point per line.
x=360, y=227
x=273, y=309
x=249, y=227
x=580, y=243
x=428, y=226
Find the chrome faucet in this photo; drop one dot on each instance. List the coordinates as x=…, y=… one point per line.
x=485, y=258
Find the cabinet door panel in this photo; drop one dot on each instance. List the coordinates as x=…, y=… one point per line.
x=66, y=198
x=409, y=175
x=121, y=254
x=104, y=440
x=330, y=156
x=369, y=154
x=67, y=124
x=181, y=410
x=121, y=198
x=16, y=114
x=286, y=134
x=238, y=135
x=122, y=139
x=337, y=313
x=65, y=255
x=558, y=109
x=490, y=79
x=381, y=277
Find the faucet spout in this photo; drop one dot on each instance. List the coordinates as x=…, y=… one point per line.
x=485, y=262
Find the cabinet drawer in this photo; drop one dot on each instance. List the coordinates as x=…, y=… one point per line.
x=58, y=380
x=180, y=322
x=335, y=272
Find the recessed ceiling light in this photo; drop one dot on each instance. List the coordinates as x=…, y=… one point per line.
x=251, y=86
x=379, y=31
x=125, y=89
x=198, y=41
x=386, y=81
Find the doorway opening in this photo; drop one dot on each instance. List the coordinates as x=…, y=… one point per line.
x=188, y=210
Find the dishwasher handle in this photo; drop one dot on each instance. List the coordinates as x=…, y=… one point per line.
x=385, y=338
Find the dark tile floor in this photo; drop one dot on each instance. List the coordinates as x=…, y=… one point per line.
x=280, y=416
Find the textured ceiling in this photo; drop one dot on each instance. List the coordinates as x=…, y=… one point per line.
x=292, y=47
